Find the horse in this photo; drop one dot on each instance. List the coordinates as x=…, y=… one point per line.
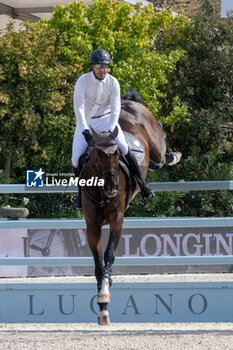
x=106, y=204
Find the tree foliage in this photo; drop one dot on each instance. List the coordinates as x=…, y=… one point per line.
x=182, y=68
x=129, y=34
x=203, y=80
x=35, y=96
x=39, y=66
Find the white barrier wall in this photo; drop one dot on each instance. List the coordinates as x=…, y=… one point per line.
x=12, y=244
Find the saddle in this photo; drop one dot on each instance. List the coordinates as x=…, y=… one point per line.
x=139, y=152
x=135, y=146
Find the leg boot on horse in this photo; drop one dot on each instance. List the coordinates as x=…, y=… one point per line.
x=103, y=290
x=103, y=300
x=133, y=165
x=172, y=158
x=77, y=205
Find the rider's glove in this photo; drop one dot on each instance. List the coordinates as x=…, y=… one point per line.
x=88, y=137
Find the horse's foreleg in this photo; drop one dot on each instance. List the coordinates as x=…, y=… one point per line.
x=116, y=222
x=106, y=281
x=95, y=244
x=109, y=257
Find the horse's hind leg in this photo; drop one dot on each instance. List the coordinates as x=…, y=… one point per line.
x=157, y=144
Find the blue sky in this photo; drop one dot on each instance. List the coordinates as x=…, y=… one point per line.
x=226, y=5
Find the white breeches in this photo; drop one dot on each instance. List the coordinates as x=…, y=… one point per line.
x=99, y=124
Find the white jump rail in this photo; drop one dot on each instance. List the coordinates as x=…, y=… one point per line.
x=119, y=261
x=128, y=223
x=156, y=186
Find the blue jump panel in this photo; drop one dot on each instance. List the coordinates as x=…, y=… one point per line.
x=130, y=302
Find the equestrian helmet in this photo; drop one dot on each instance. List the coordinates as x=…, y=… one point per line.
x=100, y=56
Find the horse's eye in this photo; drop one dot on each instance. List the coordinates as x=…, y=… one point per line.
x=116, y=153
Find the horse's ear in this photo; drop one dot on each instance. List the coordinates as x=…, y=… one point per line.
x=94, y=134
x=115, y=132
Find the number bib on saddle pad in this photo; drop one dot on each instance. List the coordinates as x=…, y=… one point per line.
x=135, y=146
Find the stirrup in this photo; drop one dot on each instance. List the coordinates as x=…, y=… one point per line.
x=77, y=205
x=146, y=192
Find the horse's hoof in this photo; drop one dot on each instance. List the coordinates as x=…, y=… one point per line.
x=103, y=298
x=103, y=318
x=177, y=155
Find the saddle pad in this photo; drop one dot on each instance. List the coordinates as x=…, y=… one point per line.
x=135, y=146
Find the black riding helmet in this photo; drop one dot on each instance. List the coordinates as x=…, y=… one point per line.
x=100, y=56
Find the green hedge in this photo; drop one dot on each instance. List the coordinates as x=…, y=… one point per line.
x=180, y=67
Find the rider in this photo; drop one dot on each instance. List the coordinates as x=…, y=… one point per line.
x=97, y=104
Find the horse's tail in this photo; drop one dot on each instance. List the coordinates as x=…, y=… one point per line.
x=132, y=95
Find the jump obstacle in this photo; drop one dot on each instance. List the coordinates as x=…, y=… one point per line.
x=130, y=302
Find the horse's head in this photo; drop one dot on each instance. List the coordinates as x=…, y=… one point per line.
x=105, y=156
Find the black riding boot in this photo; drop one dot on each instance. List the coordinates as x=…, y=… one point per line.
x=133, y=164
x=77, y=205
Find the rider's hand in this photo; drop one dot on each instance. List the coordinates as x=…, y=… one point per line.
x=88, y=137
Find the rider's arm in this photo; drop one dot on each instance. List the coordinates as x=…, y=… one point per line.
x=115, y=103
x=79, y=103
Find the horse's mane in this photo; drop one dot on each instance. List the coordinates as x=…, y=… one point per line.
x=132, y=95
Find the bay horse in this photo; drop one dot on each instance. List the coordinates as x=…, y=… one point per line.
x=107, y=204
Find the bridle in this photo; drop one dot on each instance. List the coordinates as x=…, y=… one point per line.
x=105, y=199
x=114, y=173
